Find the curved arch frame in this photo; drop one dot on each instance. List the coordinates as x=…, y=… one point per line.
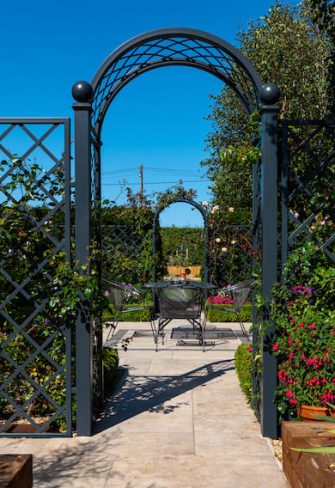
x=209, y=53
x=159, y=210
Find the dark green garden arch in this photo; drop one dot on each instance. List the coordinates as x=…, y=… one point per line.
x=164, y=206
x=159, y=48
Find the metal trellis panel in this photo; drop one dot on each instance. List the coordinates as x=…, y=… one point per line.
x=35, y=349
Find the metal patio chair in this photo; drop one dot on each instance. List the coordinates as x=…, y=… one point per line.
x=239, y=294
x=180, y=301
x=118, y=294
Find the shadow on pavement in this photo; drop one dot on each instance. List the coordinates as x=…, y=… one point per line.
x=138, y=394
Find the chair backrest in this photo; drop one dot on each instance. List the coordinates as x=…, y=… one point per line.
x=117, y=296
x=180, y=302
x=240, y=293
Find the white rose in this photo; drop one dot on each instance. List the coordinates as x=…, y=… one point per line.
x=204, y=204
x=224, y=249
x=218, y=239
x=231, y=209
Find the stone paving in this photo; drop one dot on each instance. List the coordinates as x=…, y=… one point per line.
x=177, y=420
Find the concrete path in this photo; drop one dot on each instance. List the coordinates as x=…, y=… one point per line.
x=177, y=420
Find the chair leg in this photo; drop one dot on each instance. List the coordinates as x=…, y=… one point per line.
x=111, y=331
x=155, y=333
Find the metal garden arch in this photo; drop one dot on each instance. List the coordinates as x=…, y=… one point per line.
x=172, y=47
x=194, y=204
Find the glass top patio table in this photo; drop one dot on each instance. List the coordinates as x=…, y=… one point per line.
x=181, y=284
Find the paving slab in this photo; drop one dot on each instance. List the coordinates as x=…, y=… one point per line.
x=177, y=420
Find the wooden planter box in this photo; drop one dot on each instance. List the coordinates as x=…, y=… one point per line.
x=308, y=470
x=16, y=471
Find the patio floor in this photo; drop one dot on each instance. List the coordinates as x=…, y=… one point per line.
x=177, y=420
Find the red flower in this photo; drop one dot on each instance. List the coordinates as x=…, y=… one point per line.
x=275, y=347
x=282, y=375
x=291, y=356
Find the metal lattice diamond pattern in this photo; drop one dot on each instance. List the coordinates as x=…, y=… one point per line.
x=308, y=182
x=172, y=51
x=123, y=238
x=35, y=356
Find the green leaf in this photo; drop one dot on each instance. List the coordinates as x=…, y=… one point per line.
x=327, y=418
x=317, y=450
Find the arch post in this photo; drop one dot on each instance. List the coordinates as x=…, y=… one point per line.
x=269, y=196
x=82, y=92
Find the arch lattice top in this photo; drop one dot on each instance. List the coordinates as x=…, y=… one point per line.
x=173, y=47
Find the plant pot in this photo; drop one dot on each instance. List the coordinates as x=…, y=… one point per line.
x=308, y=412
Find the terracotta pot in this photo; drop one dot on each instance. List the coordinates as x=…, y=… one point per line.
x=307, y=412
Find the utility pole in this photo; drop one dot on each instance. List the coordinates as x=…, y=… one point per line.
x=141, y=184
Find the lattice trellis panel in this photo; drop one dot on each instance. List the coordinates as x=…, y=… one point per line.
x=35, y=346
x=308, y=186
x=232, y=255
x=168, y=49
x=119, y=240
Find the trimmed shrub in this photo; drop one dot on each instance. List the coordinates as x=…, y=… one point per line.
x=214, y=314
x=110, y=359
x=244, y=367
x=136, y=316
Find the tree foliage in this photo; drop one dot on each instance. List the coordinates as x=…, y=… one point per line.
x=292, y=47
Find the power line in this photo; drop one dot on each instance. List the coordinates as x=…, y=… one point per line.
x=157, y=182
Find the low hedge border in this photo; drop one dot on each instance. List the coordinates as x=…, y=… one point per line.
x=244, y=368
x=110, y=359
x=214, y=314
x=136, y=316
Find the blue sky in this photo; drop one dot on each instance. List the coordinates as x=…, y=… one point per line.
x=158, y=119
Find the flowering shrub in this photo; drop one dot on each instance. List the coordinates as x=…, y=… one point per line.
x=221, y=299
x=305, y=320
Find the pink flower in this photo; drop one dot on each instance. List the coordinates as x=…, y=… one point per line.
x=275, y=347
x=328, y=396
x=291, y=356
x=282, y=375
x=289, y=393
x=250, y=349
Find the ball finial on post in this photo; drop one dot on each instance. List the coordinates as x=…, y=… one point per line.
x=82, y=92
x=269, y=94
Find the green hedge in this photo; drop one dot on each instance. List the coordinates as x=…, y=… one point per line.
x=214, y=314
x=110, y=359
x=244, y=367
x=137, y=316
